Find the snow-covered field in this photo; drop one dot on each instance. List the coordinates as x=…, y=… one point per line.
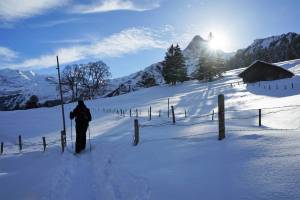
x=182, y=161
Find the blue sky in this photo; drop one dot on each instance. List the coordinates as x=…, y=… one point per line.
x=129, y=35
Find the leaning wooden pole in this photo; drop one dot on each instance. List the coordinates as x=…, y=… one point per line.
x=62, y=103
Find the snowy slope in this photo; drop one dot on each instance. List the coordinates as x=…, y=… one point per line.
x=182, y=161
x=134, y=81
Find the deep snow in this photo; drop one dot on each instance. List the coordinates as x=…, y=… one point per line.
x=182, y=161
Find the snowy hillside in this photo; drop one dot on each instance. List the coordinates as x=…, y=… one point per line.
x=136, y=80
x=17, y=86
x=181, y=161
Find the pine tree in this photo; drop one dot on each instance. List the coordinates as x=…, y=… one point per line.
x=174, y=66
x=169, y=66
x=209, y=67
x=181, y=69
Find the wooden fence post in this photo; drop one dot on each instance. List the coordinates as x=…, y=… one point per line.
x=150, y=114
x=221, y=114
x=2, y=146
x=173, y=114
x=136, y=133
x=168, y=107
x=259, y=119
x=184, y=113
x=136, y=113
x=159, y=113
x=20, y=143
x=44, y=143
x=130, y=112
x=62, y=141
x=212, y=116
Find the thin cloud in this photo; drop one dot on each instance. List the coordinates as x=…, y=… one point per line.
x=7, y=54
x=125, y=42
x=69, y=41
x=83, y=39
x=12, y=10
x=112, y=5
x=53, y=23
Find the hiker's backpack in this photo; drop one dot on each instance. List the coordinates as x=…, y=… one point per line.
x=83, y=114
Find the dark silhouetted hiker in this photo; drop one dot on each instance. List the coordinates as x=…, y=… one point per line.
x=82, y=117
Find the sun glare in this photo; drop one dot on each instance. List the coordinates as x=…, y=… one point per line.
x=218, y=41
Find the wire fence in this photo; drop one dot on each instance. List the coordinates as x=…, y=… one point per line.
x=181, y=118
x=212, y=118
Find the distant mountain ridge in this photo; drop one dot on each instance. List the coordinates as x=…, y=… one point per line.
x=17, y=86
x=198, y=48
x=271, y=49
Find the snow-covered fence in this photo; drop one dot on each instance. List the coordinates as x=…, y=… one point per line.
x=140, y=112
x=181, y=119
x=230, y=116
x=22, y=145
x=269, y=85
x=244, y=116
x=283, y=84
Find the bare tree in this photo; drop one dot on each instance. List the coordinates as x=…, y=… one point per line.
x=95, y=77
x=72, y=78
x=85, y=80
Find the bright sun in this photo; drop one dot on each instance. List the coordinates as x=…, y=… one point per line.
x=218, y=41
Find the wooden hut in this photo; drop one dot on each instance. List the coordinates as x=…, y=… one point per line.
x=263, y=71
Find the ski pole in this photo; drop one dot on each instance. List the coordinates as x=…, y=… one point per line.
x=90, y=139
x=72, y=133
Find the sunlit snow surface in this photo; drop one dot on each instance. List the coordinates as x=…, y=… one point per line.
x=183, y=161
